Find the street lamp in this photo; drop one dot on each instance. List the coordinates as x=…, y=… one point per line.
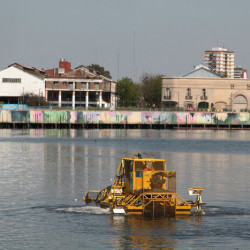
x=178, y=101
x=80, y=95
x=52, y=94
x=231, y=97
x=196, y=102
x=23, y=96
x=39, y=97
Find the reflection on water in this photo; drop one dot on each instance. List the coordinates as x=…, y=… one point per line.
x=143, y=232
x=89, y=163
x=77, y=168
x=55, y=168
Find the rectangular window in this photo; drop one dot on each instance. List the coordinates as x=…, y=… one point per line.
x=12, y=80
x=83, y=85
x=96, y=85
x=56, y=83
x=71, y=85
x=64, y=83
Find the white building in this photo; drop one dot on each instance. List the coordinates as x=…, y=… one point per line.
x=17, y=80
x=220, y=61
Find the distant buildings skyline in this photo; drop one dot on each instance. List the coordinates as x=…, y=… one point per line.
x=220, y=61
x=61, y=86
x=203, y=89
x=240, y=72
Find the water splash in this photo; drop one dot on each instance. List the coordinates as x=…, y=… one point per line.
x=216, y=211
x=84, y=210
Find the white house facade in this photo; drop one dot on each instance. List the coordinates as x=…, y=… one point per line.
x=17, y=80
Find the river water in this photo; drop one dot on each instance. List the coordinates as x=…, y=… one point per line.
x=45, y=173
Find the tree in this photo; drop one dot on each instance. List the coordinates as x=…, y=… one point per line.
x=34, y=100
x=100, y=69
x=128, y=92
x=151, y=90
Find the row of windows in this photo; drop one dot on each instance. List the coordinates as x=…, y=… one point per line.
x=221, y=54
x=188, y=92
x=71, y=83
x=12, y=80
x=220, y=63
x=226, y=66
x=84, y=85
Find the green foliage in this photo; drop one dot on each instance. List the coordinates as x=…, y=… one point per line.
x=128, y=92
x=34, y=100
x=100, y=69
x=151, y=90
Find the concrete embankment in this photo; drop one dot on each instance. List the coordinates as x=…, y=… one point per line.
x=122, y=119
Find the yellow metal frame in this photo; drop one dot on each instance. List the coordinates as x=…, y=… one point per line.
x=143, y=186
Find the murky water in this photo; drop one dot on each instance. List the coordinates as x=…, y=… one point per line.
x=45, y=173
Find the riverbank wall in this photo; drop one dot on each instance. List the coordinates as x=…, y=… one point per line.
x=123, y=119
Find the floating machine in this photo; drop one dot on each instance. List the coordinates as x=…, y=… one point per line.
x=144, y=186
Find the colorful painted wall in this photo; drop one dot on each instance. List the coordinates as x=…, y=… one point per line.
x=122, y=117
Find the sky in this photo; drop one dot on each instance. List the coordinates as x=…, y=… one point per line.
x=126, y=37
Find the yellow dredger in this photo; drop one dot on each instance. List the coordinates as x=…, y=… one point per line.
x=145, y=186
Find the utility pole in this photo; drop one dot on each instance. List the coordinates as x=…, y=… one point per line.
x=23, y=97
x=52, y=94
x=118, y=65
x=134, y=68
x=231, y=101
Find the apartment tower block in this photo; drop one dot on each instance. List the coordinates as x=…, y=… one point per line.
x=220, y=61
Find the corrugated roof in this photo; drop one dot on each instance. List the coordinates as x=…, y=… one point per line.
x=31, y=70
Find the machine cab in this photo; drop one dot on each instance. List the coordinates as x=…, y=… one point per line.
x=147, y=175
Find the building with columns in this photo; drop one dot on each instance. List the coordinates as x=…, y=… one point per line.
x=202, y=89
x=79, y=87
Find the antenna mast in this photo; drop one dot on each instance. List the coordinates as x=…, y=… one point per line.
x=134, y=69
x=118, y=67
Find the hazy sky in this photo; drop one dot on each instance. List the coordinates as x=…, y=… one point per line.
x=127, y=37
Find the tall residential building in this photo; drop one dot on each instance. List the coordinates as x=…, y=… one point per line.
x=220, y=61
x=239, y=72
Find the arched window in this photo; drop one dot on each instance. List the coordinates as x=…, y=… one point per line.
x=204, y=93
x=188, y=92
